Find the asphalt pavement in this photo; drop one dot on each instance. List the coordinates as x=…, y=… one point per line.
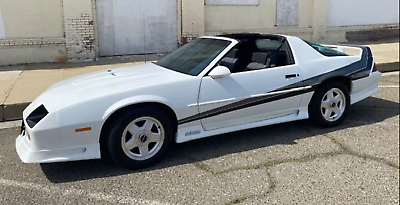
x=291, y=163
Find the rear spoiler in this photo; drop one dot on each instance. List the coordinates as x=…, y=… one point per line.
x=361, y=68
x=352, y=50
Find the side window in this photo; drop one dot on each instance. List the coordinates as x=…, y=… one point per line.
x=283, y=56
x=257, y=54
x=239, y=57
x=279, y=53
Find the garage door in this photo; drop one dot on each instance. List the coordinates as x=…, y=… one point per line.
x=136, y=27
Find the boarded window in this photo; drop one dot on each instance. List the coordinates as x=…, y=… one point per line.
x=287, y=12
x=136, y=27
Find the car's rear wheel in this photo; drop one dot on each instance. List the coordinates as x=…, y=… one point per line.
x=330, y=104
x=140, y=137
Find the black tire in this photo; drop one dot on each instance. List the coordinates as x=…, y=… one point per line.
x=115, y=135
x=314, y=108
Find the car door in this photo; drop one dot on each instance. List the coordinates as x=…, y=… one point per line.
x=247, y=97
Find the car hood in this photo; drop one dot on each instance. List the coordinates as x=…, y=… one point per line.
x=104, y=77
x=104, y=83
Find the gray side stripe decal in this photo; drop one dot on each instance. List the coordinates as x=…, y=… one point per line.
x=250, y=102
x=354, y=71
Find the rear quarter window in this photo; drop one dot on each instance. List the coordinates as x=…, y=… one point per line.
x=325, y=50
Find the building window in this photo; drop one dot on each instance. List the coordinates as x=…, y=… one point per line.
x=287, y=12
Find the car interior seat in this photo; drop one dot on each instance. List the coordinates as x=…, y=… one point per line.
x=230, y=60
x=246, y=49
x=259, y=61
x=279, y=59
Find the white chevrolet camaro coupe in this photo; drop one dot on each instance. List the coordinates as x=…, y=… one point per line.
x=210, y=86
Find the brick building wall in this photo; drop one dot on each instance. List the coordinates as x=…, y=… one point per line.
x=79, y=24
x=202, y=18
x=31, y=32
x=52, y=31
x=66, y=30
x=319, y=20
x=192, y=19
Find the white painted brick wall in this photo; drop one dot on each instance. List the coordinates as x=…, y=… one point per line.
x=79, y=29
x=192, y=19
x=319, y=20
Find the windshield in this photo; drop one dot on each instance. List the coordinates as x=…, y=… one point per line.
x=325, y=50
x=194, y=57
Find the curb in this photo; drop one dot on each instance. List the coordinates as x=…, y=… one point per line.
x=388, y=67
x=14, y=111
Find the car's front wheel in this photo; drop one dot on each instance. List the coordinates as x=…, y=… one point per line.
x=140, y=137
x=330, y=104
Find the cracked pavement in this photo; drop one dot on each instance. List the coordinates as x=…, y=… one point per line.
x=292, y=163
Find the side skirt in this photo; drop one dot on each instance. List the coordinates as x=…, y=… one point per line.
x=197, y=132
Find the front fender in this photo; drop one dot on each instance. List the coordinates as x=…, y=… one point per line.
x=135, y=100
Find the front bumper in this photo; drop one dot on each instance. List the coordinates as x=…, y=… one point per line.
x=27, y=155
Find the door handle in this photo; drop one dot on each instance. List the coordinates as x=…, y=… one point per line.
x=292, y=76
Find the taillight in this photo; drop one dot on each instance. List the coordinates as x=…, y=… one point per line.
x=374, y=69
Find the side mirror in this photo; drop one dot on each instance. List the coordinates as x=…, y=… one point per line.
x=219, y=72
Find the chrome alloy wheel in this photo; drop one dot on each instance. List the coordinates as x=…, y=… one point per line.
x=333, y=104
x=143, y=138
